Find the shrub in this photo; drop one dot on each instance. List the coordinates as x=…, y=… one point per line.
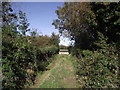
x=99, y=69
x=17, y=57
x=21, y=61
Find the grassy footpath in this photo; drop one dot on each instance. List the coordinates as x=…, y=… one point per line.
x=60, y=75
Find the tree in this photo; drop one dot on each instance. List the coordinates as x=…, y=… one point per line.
x=55, y=39
x=14, y=50
x=34, y=32
x=107, y=18
x=83, y=22
x=75, y=19
x=9, y=26
x=23, y=23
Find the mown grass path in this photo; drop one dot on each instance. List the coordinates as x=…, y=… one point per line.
x=60, y=75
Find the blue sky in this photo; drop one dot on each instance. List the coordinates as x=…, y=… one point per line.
x=40, y=15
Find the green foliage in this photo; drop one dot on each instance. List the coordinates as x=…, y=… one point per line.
x=107, y=19
x=76, y=18
x=23, y=23
x=22, y=56
x=93, y=27
x=63, y=47
x=9, y=26
x=44, y=41
x=19, y=57
x=83, y=21
x=99, y=69
x=55, y=39
x=102, y=42
x=63, y=50
x=75, y=51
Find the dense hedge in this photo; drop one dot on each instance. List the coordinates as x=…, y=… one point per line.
x=94, y=29
x=21, y=61
x=23, y=56
x=98, y=69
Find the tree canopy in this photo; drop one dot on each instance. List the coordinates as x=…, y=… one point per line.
x=83, y=21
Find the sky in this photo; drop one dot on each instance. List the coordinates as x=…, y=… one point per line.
x=40, y=15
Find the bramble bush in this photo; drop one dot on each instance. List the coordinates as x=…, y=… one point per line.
x=99, y=69
x=21, y=61
x=17, y=55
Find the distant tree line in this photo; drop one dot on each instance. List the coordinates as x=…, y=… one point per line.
x=63, y=47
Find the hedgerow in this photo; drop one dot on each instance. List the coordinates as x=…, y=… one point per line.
x=99, y=69
x=94, y=28
x=20, y=59
x=23, y=56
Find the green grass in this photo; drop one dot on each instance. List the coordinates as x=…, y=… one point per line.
x=63, y=50
x=61, y=73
